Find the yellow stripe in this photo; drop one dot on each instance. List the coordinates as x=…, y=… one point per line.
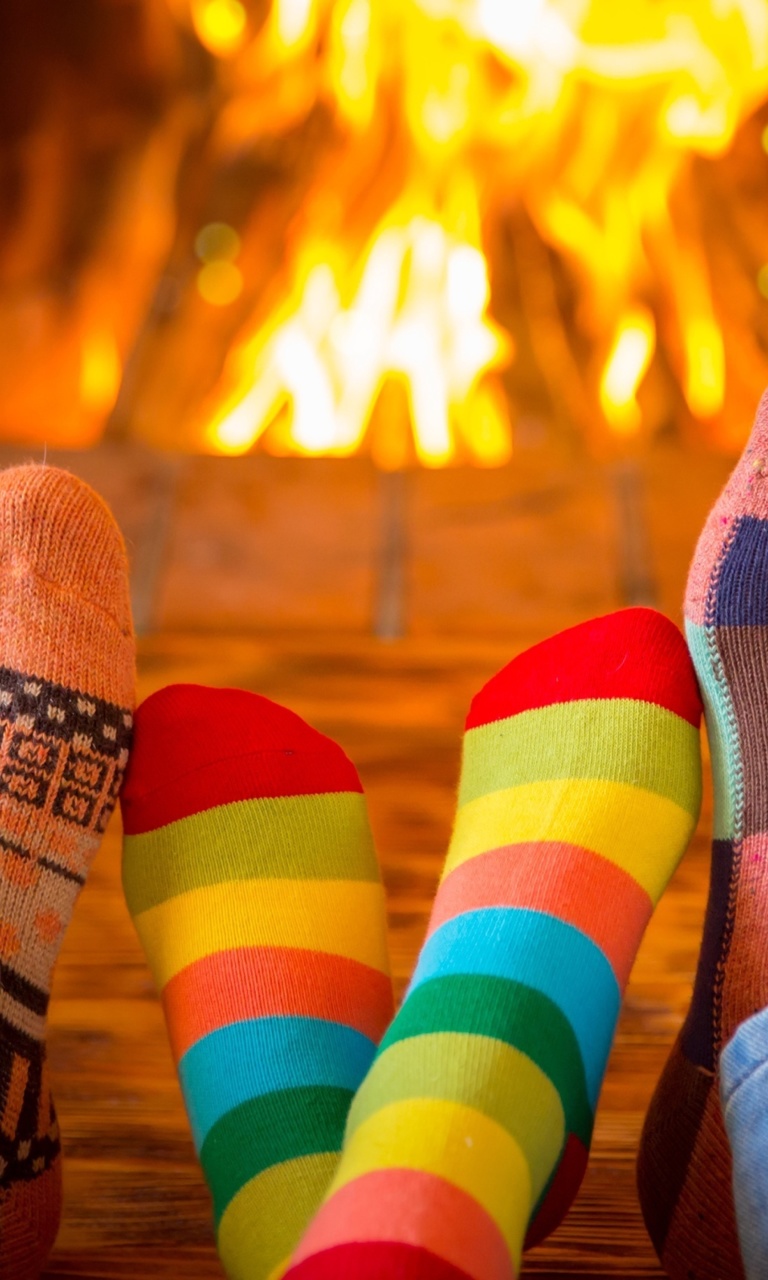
x=280, y=1269
x=453, y=1142
x=261, y=1227
x=479, y=1072
x=318, y=837
x=338, y=917
x=639, y=831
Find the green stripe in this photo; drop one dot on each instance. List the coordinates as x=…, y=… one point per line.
x=485, y=1074
x=615, y=740
x=508, y=1011
x=268, y=1130
x=260, y=1228
x=320, y=837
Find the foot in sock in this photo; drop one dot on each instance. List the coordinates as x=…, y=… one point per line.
x=684, y=1168
x=66, y=693
x=580, y=786
x=251, y=875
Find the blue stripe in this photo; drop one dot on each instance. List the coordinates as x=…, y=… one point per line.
x=741, y=599
x=249, y=1059
x=544, y=953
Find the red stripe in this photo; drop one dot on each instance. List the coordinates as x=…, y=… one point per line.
x=561, y=1194
x=636, y=653
x=411, y=1207
x=375, y=1262
x=264, y=982
x=578, y=886
x=195, y=748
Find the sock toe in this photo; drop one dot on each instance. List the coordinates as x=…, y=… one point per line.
x=634, y=653
x=55, y=525
x=196, y=749
x=65, y=613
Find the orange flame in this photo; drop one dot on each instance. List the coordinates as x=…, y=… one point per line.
x=584, y=111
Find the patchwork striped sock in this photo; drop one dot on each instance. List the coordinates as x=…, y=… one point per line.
x=66, y=693
x=580, y=786
x=684, y=1169
x=250, y=872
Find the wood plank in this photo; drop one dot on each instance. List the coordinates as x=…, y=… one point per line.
x=264, y=543
x=532, y=544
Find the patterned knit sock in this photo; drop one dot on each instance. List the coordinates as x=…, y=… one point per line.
x=579, y=789
x=66, y=689
x=252, y=879
x=684, y=1170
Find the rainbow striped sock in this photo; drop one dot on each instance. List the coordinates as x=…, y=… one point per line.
x=251, y=876
x=580, y=787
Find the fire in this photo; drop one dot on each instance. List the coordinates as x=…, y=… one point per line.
x=584, y=112
x=391, y=225
x=418, y=314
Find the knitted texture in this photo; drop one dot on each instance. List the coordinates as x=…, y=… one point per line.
x=580, y=786
x=66, y=693
x=250, y=872
x=684, y=1169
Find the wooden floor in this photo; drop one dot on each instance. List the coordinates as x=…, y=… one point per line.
x=274, y=575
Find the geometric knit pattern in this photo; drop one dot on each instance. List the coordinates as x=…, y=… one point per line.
x=580, y=787
x=684, y=1168
x=250, y=873
x=66, y=691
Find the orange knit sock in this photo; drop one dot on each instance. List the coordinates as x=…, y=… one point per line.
x=66, y=693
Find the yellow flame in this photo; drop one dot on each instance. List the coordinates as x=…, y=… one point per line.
x=419, y=315
x=631, y=354
x=294, y=23
x=705, y=380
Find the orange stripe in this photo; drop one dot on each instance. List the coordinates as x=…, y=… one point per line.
x=576, y=885
x=407, y=1206
x=264, y=982
x=14, y=1099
